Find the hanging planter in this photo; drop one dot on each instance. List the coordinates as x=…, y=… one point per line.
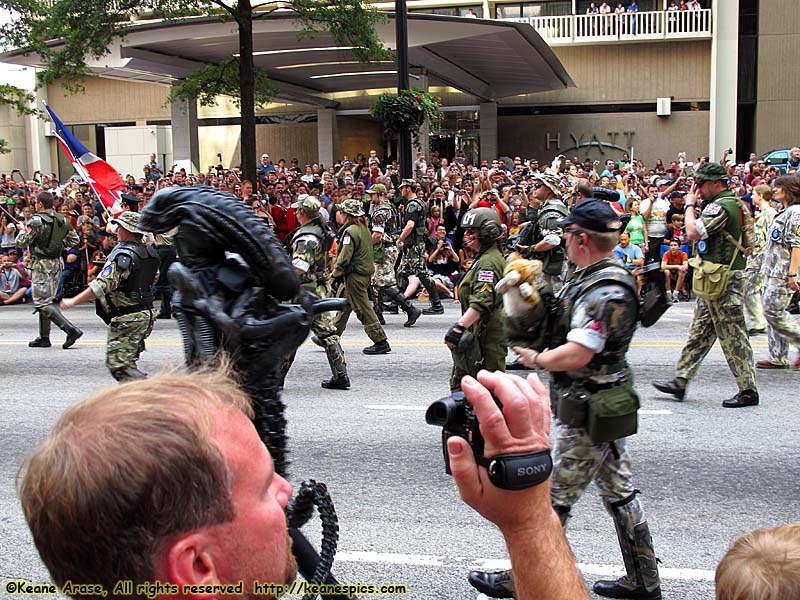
x=408, y=111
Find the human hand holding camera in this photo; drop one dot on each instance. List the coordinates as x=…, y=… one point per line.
x=521, y=426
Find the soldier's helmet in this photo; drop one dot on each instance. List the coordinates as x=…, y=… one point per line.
x=486, y=221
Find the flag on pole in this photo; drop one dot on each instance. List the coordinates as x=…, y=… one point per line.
x=104, y=179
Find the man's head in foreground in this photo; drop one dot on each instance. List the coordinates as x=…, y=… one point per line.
x=163, y=479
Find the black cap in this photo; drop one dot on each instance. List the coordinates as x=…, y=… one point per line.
x=595, y=215
x=130, y=201
x=605, y=194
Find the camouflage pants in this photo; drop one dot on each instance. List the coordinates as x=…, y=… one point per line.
x=783, y=328
x=413, y=260
x=126, y=336
x=579, y=461
x=44, y=280
x=753, y=308
x=413, y=263
x=554, y=281
x=723, y=319
x=384, y=272
x=357, y=294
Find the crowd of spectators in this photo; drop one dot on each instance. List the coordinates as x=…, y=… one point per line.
x=653, y=195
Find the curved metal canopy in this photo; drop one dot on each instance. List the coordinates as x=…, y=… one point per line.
x=484, y=58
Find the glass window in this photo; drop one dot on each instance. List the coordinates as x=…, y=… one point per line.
x=450, y=11
x=554, y=8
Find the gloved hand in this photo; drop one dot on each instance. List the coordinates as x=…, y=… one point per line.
x=453, y=335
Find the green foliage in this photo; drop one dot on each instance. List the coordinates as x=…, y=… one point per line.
x=408, y=111
x=207, y=83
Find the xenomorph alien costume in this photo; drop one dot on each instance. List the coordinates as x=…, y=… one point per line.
x=231, y=276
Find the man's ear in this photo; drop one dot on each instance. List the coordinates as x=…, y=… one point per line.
x=190, y=561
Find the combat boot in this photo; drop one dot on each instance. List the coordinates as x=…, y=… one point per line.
x=381, y=347
x=676, y=388
x=128, y=374
x=641, y=581
x=499, y=584
x=43, y=341
x=57, y=317
x=742, y=399
x=340, y=380
x=412, y=312
x=433, y=294
x=165, y=312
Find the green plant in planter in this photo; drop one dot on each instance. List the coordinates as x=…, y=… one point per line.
x=408, y=111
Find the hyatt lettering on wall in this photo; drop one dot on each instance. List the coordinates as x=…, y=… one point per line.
x=590, y=144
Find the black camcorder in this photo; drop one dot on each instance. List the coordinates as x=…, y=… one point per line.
x=454, y=414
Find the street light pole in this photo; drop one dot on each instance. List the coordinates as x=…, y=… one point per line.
x=401, y=28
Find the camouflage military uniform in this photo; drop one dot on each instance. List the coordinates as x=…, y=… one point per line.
x=309, y=258
x=546, y=226
x=599, y=310
x=131, y=311
x=754, y=277
x=783, y=329
x=722, y=318
x=383, y=221
x=413, y=260
x=40, y=237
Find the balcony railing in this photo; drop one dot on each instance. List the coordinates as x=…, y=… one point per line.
x=655, y=25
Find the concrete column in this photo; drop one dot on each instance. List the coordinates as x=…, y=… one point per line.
x=724, y=77
x=326, y=135
x=185, y=145
x=424, y=131
x=488, y=117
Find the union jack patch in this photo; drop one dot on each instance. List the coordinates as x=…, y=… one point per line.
x=486, y=276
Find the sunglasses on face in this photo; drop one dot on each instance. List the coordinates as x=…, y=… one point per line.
x=536, y=186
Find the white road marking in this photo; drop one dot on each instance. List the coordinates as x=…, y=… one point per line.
x=395, y=407
x=415, y=407
x=502, y=563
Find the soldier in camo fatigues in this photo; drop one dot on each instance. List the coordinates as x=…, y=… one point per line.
x=781, y=265
x=411, y=242
x=124, y=293
x=598, y=312
x=723, y=318
x=47, y=234
x=755, y=279
x=310, y=244
x=382, y=218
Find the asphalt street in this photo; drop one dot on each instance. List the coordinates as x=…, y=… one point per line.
x=707, y=474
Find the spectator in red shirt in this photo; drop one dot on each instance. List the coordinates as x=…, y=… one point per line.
x=675, y=263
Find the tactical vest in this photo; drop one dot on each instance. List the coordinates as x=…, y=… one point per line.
x=717, y=248
x=418, y=213
x=316, y=270
x=612, y=359
x=138, y=286
x=553, y=259
x=386, y=210
x=50, y=241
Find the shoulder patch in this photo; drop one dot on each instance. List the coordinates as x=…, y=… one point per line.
x=486, y=288
x=106, y=271
x=486, y=276
x=712, y=209
x=346, y=240
x=795, y=219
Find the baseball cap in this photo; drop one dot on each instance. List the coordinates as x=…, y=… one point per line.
x=594, y=215
x=711, y=172
x=308, y=204
x=377, y=188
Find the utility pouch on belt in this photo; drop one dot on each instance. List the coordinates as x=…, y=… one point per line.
x=467, y=355
x=573, y=406
x=710, y=279
x=612, y=413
